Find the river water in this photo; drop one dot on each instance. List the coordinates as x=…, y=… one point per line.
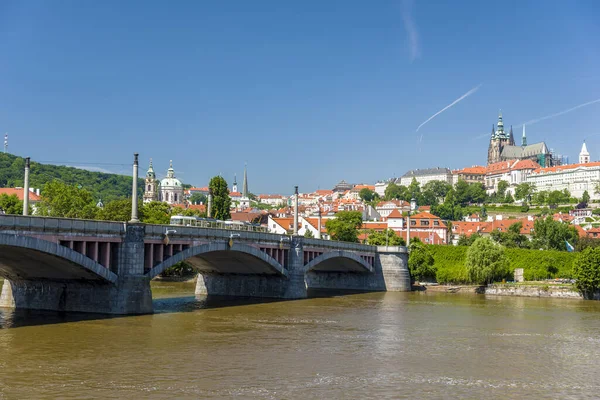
x=374, y=345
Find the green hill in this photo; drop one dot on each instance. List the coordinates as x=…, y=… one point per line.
x=102, y=185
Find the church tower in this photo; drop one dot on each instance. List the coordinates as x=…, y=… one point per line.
x=150, y=185
x=234, y=187
x=498, y=140
x=584, y=156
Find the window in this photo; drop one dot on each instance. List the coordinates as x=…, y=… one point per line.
x=424, y=222
x=413, y=223
x=274, y=226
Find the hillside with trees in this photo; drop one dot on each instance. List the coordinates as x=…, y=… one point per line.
x=100, y=185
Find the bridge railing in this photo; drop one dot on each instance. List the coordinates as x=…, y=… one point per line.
x=66, y=225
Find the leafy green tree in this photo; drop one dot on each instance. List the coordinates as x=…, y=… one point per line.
x=221, y=204
x=438, y=188
x=477, y=193
x=502, y=186
x=155, y=212
x=540, y=198
x=66, y=201
x=420, y=262
x=11, y=204
x=552, y=235
x=585, y=198
x=524, y=190
x=116, y=210
x=308, y=234
x=511, y=238
x=379, y=238
x=463, y=240
x=414, y=189
x=366, y=194
x=508, y=198
x=461, y=192
x=198, y=198
x=344, y=227
x=586, y=271
x=393, y=191
x=486, y=262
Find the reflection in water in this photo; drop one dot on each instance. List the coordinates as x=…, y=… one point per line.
x=385, y=345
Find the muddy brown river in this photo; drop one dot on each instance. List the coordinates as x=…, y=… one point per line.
x=374, y=345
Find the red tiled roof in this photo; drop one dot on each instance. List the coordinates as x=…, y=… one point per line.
x=474, y=170
x=525, y=164
x=19, y=193
x=395, y=214
x=566, y=167
x=235, y=194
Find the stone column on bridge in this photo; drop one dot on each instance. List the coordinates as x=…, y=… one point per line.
x=393, y=264
x=296, y=280
x=134, y=195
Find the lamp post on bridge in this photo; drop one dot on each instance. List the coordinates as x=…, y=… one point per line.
x=295, y=210
x=134, y=195
x=26, y=188
x=209, y=205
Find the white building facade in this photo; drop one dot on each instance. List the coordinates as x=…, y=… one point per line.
x=426, y=175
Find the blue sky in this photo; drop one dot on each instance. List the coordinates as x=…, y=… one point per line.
x=308, y=93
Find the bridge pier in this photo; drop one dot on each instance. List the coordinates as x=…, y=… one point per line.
x=130, y=295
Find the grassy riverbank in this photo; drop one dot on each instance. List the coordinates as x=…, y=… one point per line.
x=450, y=263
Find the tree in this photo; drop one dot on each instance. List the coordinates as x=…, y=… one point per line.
x=511, y=238
x=393, y=191
x=463, y=240
x=66, y=201
x=155, y=212
x=508, y=198
x=11, y=204
x=438, y=188
x=308, y=234
x=524, y=191
x=221, y=204
x=344, y=227
x=198, y=198
x=486, y=262
x=379, y=238
x=420, y=262
x=552, y=235
x=461, y=192
x=502, y=186
x=116, y=210
x=187, y=212
x=586, y=271
x=366, y=194
x=477, y=193
x=585, y=198
x=414, y=189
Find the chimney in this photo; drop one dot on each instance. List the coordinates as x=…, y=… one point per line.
x=37, y=191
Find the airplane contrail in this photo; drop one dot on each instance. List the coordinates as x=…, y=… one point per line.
x=470, y=92
x=533, y=121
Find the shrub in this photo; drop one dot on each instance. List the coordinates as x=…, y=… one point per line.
x=486, y=262
x=586, y=270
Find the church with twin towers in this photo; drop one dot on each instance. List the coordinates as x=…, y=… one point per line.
x=502, y=147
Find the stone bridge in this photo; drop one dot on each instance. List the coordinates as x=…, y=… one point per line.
x=106, y=267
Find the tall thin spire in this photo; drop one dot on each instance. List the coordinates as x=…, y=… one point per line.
x=245, y=185
x=500, y=130
x=493, y=130
x=6, y=142
x=150, y=172
x=524, y=140
x=511, y=138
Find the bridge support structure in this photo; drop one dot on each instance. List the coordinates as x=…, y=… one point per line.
x=106, y=267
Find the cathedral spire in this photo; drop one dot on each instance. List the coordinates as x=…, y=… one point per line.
x=500, y=131
x=511, y=138
x=584, y=156
x=170, y=171
x=524, y=140
x=245, y=185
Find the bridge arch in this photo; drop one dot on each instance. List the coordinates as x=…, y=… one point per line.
x=219, y=257
x=338, y=261
x=30, y=258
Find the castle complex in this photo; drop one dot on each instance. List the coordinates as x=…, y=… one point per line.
x=503, y=148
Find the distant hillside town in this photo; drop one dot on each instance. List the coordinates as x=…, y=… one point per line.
x=519, y=184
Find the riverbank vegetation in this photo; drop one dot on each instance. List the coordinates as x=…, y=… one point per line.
x=449, y=263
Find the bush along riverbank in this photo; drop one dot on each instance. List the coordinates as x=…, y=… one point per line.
x=486, y=262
